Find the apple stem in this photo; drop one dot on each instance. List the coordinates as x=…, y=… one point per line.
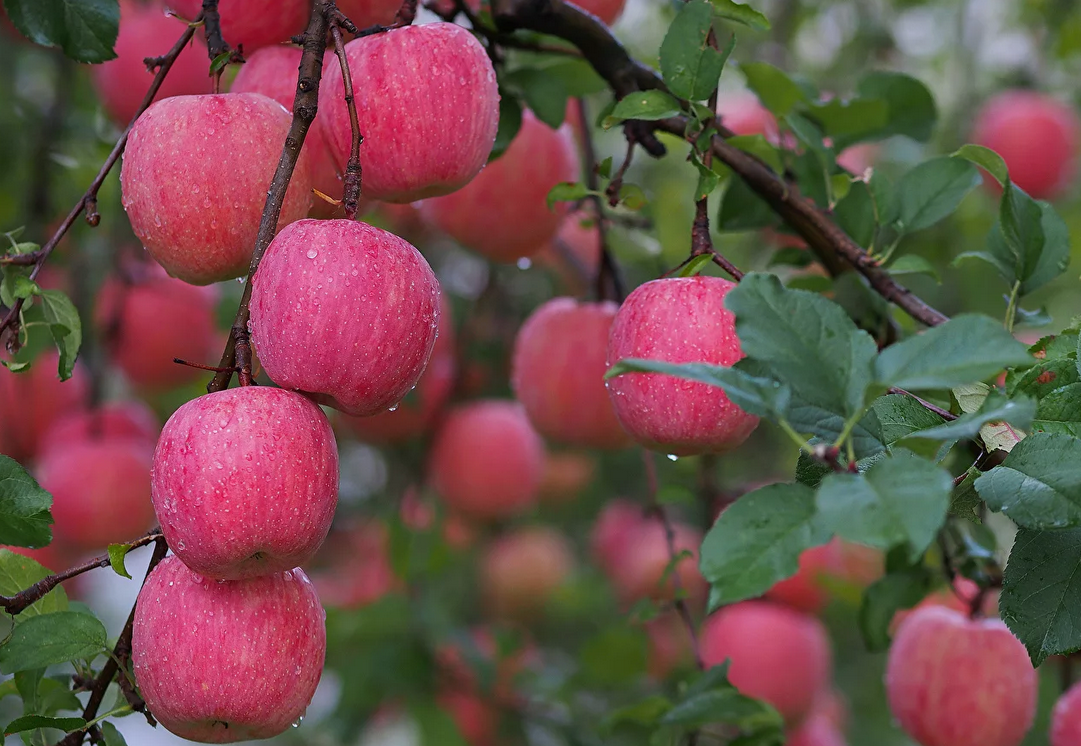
x=352, y=178
x=88, y=201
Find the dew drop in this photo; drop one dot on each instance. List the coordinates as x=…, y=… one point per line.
x=673, y=457
x=312, y=253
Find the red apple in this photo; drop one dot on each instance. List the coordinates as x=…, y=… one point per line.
x=640, y=569
x=272, y=71
x=670, y=645
x=806, y=590
x=503, y=213
x=611, y=535
x=145, y=31
x=148, y=321
x=359, y=571
x=777, y=654
x=419, y=410
x=817, y=730
x=606, y=10
x=100, y=489
x=246, y=481
x=566, y=475
x=743, y=114
x=487, y=461
x=521, y=570
x=1066, y=718
x=344, y=312
x=366, y=13
x=428, y=106
x=250, y=23
x=960, y=599
x=558, y=373
x=677, y=320
x=954, y=681
x=31, y=401
x=131, y=420
x=226, y=662
x=1037, y=135
x=477, y=720
x=195, y=178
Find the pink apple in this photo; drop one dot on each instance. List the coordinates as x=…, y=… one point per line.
x=817, y=730
x=32, y=400
x=521, y=570
x=1066, y=718
x=250, y=23
x=959, y=598
x=132, y=420
x=807, y=590
x=148, y=321
x=612, y=531
x=246, y=481
x=487, y=461
x=1037, y=135
x=777, y=654
x=273, y=71
x=100, y=489
x=145, y=31
x=670, y=645
x=566, y=475
x=359, y=571
x=677, y=320
x=640, y=569
x=558, y=373
x=196, y=223
x=226, y=662
x=503, y=213
x=606, y=10
x=419, y=410
x=366, y=13
x=428, y=106
x=955, y=681
x=743, y=114
x=344, y=312
x=477, y=720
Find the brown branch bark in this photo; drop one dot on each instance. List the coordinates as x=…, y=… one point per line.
x=24, y=598
x=305, y=106
x=89, y=199
x=608, y=283
x=216, y=45
x=352, y=177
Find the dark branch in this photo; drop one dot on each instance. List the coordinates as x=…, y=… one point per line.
x=216, y=46
x=352, y=177
x=609, y=284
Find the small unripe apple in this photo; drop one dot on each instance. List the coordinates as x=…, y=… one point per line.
x=778, y=654
x=195, y=178
x=487, y=461
x=250, y=23
x=100, y=489
x=419, y=410
x=31, y=401
x=566, y=475
x=226, y=662
x=477, y=720
x=558, y=370
x=359, y=571
x=246, y=481
x=1066, y=718
x=272, y=71
x=955, y=681
x=640, y=570
x=131, y=420
x=345, y=313
x=612, y=531
x=428, y=106
x=677, y=320
x=145, y=31
x=503, y=214
x=1037, y=135
x=521, y=570
x=148, y=321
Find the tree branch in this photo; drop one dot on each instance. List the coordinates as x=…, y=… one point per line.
x=352, y=177
x=608, y=283
x=216, y=46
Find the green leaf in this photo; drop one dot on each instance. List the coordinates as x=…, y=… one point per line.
x=967, y=348
x=84, y=29
x=695, y=266
x=52, y=638
x=903, y=417
x=708, y=179
x=647, y=712
x=806, y=341
x=1041, y=592
x=932, y=190
x=510, y=121
x=24, y=507
x=985, y=158
x=760, y=147
x=777, y=92
x=885, y=597
x=901, y=499
x=996, y=408
x=723, y=705
x=647, y=105
x=112, y=735
x=436, y=725
x=117, y=553
x=566, y=191
x=1039, y=243
x=1059, y=411
x=1039, y=484
x=911, y=107
x=632, y=197
x=965, y=500
x=33, y=722
x=762, y=397
x=740, y=13
x=18, y=573
x=742, y=209
x=613, y=656
x=839, y=117
x=67, y=329
x=689, y=65
x=545, y=94
x=757, y=541
x=912, y=264
x=856, y=214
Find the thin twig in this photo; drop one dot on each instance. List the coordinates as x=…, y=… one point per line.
x=89, y=199
x=216, y=46
x=352, y=177
x=609, y=283
x=24, y=598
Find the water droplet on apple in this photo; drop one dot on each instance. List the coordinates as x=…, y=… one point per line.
x=673, y=457
x=312, y=253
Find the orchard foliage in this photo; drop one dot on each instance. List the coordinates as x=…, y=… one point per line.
x=835, y=294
